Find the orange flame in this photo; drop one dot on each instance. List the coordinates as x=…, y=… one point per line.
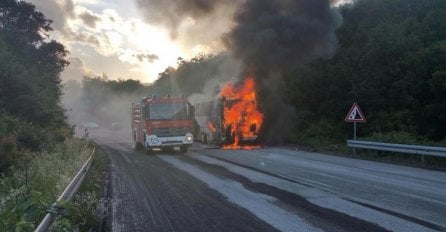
x=211, y=126
x=241, y=113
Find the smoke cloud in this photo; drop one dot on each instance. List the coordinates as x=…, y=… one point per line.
x=227, y=71
x=275, y=36
x=76, y=70
x=268, y=37
x=103, y=102
x=280, y=34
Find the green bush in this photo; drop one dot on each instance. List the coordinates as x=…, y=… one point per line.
x=36, y=180
x=324, y=135
x=402, y=137
x=18, y=137
x=89, y=207
x=63, y=225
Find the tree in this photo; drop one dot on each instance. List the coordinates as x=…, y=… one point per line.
x=30, y=68
x=391, y=58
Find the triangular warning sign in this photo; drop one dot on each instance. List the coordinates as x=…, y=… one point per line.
x=355, y=114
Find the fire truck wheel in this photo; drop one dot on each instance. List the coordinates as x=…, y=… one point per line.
x=183, y=149
x=138, y=146
x=204, y=138
x=167, y=149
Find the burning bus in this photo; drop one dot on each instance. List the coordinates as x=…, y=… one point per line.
x=233, y=120
x=208, y=127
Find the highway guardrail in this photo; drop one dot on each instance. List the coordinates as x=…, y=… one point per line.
x=402, y=148
x=67, y=194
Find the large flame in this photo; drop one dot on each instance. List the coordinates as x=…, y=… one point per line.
x=241, y=113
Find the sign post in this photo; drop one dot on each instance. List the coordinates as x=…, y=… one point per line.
x=355, y=115
x=354, y=130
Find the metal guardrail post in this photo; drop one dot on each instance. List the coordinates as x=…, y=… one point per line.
x=69, y=191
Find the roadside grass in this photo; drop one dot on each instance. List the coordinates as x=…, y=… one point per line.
x=35, y=182
x=88, y=208
x=335, y=147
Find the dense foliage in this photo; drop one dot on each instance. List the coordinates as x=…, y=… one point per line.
x=30, y=65
x=37, y=156
x=191, y=75
x=34, y=184
x=391, y=59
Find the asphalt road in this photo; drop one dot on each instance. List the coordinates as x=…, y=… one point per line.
x=267, y=190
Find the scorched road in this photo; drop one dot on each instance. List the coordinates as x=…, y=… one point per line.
x=267, y=190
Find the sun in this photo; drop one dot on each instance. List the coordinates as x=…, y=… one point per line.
x=142, y=38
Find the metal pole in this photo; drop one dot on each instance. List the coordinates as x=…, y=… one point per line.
x=354, y=131
x=354, y=137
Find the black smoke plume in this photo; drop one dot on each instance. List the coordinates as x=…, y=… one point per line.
x=276, y=36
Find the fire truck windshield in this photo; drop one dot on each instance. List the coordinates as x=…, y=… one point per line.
x=168, y=111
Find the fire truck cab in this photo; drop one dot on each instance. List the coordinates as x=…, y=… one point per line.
x=162, y=123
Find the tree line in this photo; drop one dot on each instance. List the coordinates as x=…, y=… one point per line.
x=30, y=87
x=392, y=60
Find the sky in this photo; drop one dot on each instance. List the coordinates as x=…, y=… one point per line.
x=136, y=39
x=118, y=39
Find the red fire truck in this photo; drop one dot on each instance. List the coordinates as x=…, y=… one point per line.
x=162, y=123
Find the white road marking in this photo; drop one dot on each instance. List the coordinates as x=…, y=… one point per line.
x=260, y=205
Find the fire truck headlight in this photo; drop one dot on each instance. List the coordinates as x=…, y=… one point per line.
x=188, y=138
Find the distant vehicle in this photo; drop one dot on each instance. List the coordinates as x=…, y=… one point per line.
x=90, y=125
x=162, y=123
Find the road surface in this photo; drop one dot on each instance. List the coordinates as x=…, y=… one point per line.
x=269, y=189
